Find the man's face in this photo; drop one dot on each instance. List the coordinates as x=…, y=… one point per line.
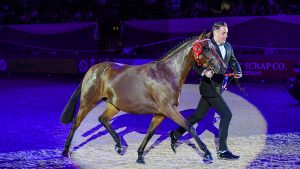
x=221, y=34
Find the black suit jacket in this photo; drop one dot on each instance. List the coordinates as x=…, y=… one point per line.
x=212, y=87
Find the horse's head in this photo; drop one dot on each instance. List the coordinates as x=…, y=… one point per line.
x=206, y=55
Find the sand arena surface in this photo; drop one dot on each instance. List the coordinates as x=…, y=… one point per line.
x=264, y=131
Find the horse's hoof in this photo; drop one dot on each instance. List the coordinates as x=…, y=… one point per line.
x=120, y=149
x=173, y=141
x=140, y=160
x=65, y=153
x=207, y=158
x=173, y=146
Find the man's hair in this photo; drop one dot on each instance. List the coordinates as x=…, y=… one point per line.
x=217, y=25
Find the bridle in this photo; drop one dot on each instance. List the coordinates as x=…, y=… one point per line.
x=198, y=49
x=225, y=83
x=237, y=82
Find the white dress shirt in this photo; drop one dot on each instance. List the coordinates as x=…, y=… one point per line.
x=222, y=50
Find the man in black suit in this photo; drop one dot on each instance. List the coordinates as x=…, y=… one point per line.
x=210, y=90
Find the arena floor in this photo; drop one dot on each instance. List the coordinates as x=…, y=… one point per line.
x=264, y=130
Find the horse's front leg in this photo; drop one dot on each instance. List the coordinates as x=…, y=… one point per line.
x=155, y=122
x=180, y=120
x=207, y=158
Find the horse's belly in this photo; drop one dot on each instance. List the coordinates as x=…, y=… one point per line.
x=138, y=107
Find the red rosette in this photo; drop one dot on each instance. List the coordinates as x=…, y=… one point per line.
x=197, y=49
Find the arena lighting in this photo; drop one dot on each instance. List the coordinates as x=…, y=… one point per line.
x=115, y=28
x=93, y=147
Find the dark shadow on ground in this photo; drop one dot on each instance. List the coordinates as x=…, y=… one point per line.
x=140, y=123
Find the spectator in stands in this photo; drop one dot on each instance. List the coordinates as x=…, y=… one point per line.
x=31, y=11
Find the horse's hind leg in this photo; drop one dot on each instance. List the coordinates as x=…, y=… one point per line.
x=69, y=139
x=84, y=109
x=76, y=122
x=179, y=119
x=104, y=119
x=156, y=120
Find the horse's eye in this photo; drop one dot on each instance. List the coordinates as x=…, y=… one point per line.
x=206, y=49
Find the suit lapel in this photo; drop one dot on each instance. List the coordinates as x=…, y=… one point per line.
x=227, y=52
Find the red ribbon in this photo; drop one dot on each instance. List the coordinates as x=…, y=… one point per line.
x=197, y=49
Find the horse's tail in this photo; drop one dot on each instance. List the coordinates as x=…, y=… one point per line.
x=70, y=108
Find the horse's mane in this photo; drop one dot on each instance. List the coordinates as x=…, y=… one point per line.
x=174, y=49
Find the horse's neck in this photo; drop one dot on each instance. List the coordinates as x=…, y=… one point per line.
x=181, y=63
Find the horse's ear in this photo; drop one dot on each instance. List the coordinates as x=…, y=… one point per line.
x=208, y=35
x=203, y=34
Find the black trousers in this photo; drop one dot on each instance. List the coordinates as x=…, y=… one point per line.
x=219, y=104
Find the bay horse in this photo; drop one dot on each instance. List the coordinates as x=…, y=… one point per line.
x=151, y=88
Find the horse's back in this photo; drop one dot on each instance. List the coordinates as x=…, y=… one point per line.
x=108, y=64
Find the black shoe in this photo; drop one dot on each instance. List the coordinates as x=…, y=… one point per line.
x=173, y=140
x=227, y=155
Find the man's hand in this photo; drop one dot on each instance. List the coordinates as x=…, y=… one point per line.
x=208, y=73
x=237, y=75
